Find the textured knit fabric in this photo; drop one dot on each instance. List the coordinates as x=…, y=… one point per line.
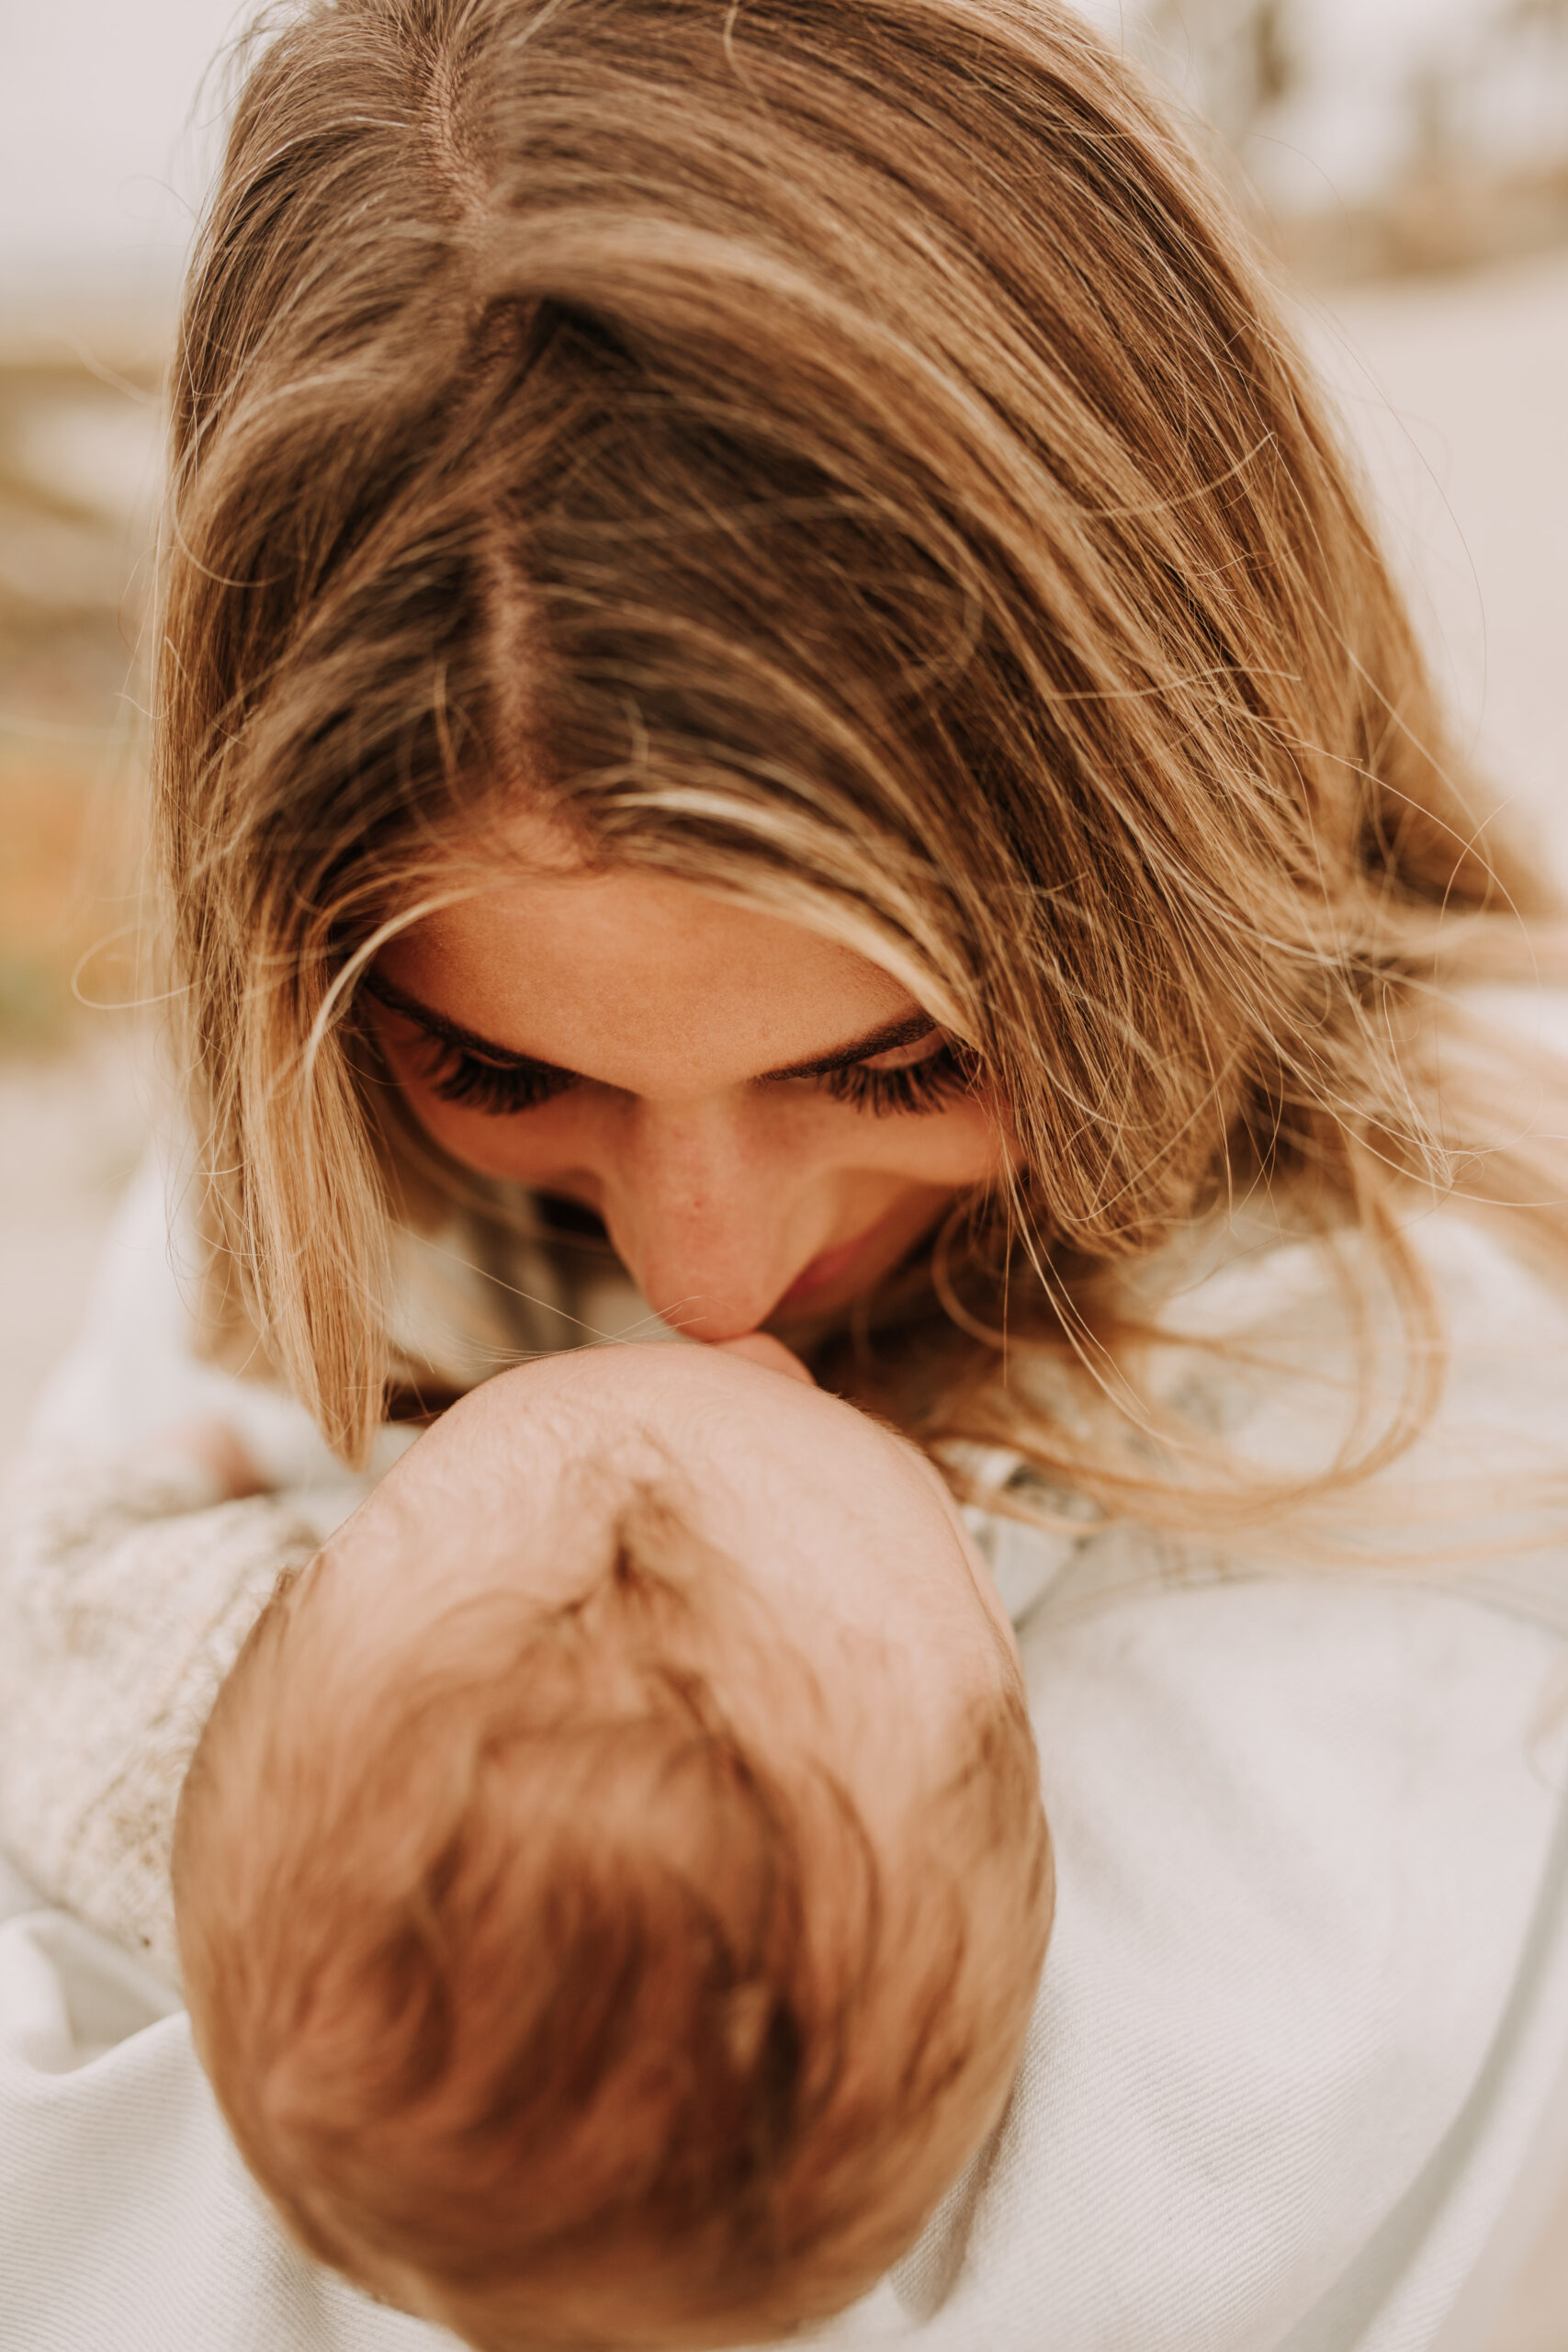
x=126, y=1591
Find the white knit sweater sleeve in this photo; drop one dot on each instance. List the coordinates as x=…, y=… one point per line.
x=128, y=1584
x=126, y=1590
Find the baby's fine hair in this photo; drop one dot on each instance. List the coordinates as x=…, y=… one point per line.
x=531, y=1972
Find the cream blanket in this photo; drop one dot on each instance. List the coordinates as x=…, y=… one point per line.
x=1305, y=2009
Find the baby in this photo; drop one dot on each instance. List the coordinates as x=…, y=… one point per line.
x=613, y=1884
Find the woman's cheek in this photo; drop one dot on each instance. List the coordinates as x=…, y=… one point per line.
x=528, y=1147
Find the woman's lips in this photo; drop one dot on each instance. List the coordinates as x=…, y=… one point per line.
x=819, y=1273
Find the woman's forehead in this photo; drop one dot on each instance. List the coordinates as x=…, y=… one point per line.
x=639, y=979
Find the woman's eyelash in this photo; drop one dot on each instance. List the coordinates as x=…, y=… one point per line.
x=915, y=1088
x=500, y=1090
x=504, y=1089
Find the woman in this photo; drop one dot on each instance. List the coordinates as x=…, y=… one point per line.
x=771, y=682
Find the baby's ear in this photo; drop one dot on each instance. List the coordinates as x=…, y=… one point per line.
x=761, y=1347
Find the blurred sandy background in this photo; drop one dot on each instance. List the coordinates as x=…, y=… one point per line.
x=1408, y=159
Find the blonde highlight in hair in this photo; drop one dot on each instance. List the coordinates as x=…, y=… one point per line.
x=846, y=458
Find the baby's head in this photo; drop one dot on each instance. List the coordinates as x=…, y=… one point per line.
x=612, y=1883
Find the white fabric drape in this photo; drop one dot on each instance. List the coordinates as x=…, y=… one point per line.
x=1306, y=2002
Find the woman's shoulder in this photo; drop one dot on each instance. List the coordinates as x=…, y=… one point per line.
x=138, y=1364
x=1306, y=2003
x=1305, y=2009
x=1306, y=1997
x=1412, y=1393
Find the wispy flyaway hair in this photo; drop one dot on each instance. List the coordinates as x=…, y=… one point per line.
x=845, y=456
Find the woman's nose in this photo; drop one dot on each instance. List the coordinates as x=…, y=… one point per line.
x=701, y=1213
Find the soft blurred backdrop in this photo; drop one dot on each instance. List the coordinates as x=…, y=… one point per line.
x=1407, y=161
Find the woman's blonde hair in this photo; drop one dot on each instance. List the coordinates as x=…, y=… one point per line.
x=846, y=457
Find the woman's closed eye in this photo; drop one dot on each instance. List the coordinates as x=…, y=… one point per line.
x=500, y=1090
x=908, y=1080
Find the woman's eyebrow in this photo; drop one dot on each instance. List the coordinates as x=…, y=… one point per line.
x=905, y=1031
x=398, y=1001
x=908, y=1032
